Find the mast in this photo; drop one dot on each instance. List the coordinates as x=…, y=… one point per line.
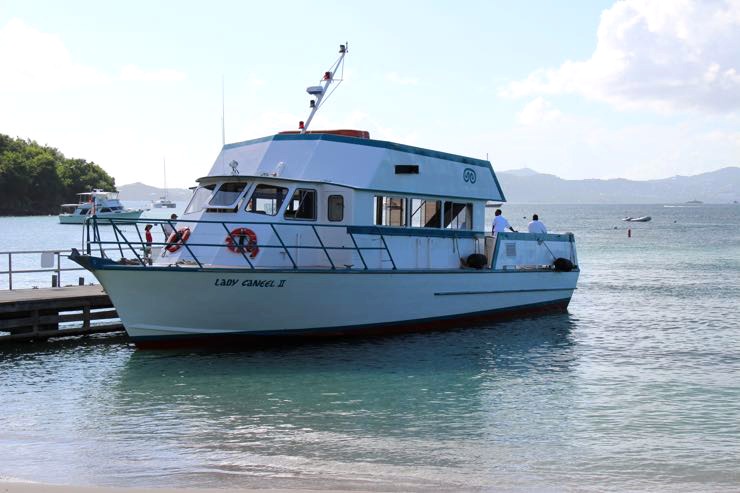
x=223, y=113
x=164, y=172
x=320, y=91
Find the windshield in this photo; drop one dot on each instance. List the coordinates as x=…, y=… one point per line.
x=266, y=199
x=200, y=199
x=227, y=195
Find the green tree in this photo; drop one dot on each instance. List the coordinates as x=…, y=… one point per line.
x=35, y=179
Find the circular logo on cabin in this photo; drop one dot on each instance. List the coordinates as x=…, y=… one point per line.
x=469, y=175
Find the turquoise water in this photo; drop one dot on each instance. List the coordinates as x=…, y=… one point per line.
x=636, y=388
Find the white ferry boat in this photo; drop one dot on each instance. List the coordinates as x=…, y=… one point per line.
x=330, y=233
x=105, y=205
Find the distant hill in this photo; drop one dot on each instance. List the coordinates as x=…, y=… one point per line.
x=140, y=191
x=716, y=187
x=528, y=186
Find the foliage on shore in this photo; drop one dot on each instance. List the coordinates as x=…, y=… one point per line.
x=35, y=179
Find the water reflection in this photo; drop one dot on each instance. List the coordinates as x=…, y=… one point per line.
x=430, y=401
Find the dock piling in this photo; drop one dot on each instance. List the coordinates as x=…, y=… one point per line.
x=38, y=314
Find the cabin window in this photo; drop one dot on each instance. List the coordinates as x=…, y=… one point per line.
x=336, y=208
x=200, y=198
x=105, y=209
x=407, y=169
x=266, y=199
x=458, y=215
x=302, y=205
x=425, y=213
x=390, y=211
x=227, y=195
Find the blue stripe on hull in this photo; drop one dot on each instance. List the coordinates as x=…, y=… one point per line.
x=439, y=323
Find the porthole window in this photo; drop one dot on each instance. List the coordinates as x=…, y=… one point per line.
x=336, y=208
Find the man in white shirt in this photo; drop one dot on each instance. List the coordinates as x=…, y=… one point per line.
x=500, y=223
x=536, y=226
x=167, y=229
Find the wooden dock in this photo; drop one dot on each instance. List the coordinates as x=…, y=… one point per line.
x=38, y=314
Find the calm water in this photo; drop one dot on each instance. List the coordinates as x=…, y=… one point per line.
x=636, y=388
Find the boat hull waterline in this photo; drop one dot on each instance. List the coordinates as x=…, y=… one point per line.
x=118, y=216
x=266, y=304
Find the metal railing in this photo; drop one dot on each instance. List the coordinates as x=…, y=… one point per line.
x=121, y=243
x=56, y=269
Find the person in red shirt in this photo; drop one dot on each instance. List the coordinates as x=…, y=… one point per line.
x=148, y=246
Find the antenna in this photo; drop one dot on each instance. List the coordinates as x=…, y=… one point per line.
x=320, y=91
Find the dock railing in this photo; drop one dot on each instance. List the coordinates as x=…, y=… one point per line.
x=57, y=255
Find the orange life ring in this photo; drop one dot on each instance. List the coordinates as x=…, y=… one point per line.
x=177, y=239
x=235, y=241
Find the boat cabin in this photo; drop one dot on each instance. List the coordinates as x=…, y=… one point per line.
x=104, y=202
x=335, y=199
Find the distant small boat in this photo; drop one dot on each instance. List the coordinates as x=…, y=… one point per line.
x=642, y=219
x=493, y=204
x=164, y=202
x=696, y=202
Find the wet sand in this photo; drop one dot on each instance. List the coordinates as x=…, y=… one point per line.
x=21, y=487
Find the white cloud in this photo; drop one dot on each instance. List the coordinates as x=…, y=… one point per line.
x=577, y=148
x=538, y=111
x=667, y=55
x=33, y=61
x=402, y=81
x=134, y=73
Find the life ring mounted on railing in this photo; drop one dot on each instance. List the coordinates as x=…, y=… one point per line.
x=177, y=239
x=242, y=240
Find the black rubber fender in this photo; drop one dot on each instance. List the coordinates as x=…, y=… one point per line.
x=477, y=260
x=563, y=265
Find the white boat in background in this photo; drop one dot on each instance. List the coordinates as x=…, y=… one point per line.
x=98, y=202
x=642, y=219
x=330, y=233
x=163, y=202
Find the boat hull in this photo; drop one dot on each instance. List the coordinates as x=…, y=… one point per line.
x=164, y=307
x=80, y=218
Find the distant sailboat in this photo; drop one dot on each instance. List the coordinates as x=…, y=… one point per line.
x=164, y=202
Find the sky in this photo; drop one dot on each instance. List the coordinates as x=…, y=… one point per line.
x=579, y=89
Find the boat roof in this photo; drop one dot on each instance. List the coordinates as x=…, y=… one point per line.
x=96, y=192
x=360, y=163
